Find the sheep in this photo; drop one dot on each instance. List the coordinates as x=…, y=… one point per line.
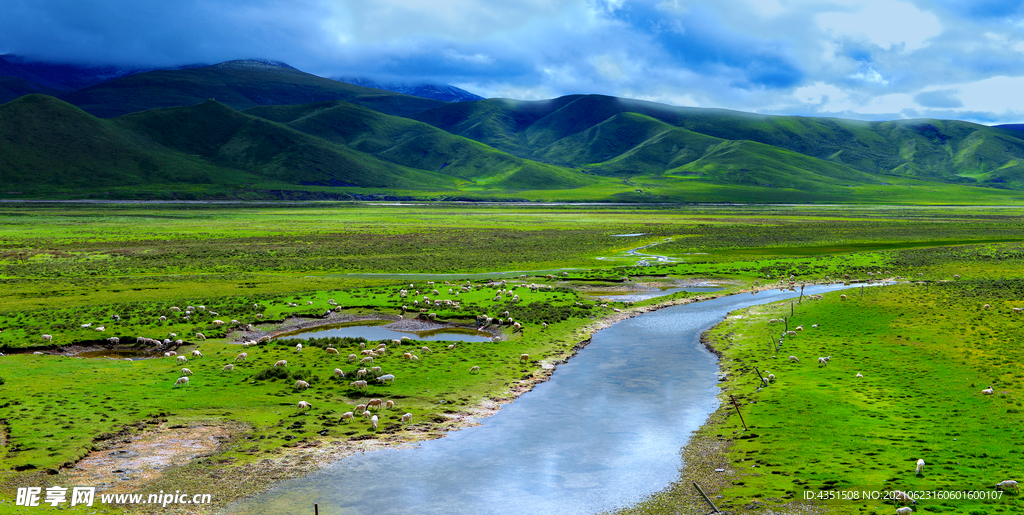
x=900, y=496
x=200, y=336
x=339, y=373
x=298, y=347
x=794, y=358
x=388, y=404
x=304, y=405
x=100, y=329
x=859, y=375
x=218, y=322
x=197, y=354
x=920, y=467
x=348, y=415
x=406, y=418
x=182, y=381
x=524, y=358
x=842, y=297
x=361, y=408
x=986, y=307
x=361, y=372
x=822, y=361
x=1017, y=310
x=301, y=385
x=186, y=372
x=113, y=339
x=387, y=377
x=451, y=347
x=407, y=355
x=366, y=413
x=366, y=360
x=474, y=369
x=988, y=391
x=905, y=510
x=352, y=357
x=374, y=402
x=47, y=337
x=331, y=350
x=241, y=357
x=799, y=328
x=169, y=353
x=373, y=422
x=227, y=368
x=182, y=359
x=281, y=363
x=375, y=371
x=214, y=313
x=1009, y=484
x=771, y=378
x=259, y=315
x=414, y=358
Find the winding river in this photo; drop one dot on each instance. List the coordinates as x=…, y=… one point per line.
x=605, y=430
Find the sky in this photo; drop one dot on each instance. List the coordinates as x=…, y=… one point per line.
x=862, y=59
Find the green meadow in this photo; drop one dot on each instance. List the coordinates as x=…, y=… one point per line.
x=926, y=347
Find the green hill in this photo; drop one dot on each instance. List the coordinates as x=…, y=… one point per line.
x=239, y=84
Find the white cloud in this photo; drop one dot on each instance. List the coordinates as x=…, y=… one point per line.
x=886, y=23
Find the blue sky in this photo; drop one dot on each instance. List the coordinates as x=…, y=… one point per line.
x=865, y=59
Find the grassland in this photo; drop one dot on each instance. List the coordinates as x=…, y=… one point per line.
x=925, y=350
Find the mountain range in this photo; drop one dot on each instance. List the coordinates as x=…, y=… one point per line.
x=259, y=129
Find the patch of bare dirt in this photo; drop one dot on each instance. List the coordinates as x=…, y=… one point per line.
x=124, y=462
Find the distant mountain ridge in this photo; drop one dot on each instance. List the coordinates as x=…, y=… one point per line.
x=20, y=75
x=443, y=92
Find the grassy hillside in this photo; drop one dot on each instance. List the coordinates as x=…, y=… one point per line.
x=566, y=130
x=236, y=85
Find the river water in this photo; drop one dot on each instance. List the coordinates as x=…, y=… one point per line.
x=605, y=430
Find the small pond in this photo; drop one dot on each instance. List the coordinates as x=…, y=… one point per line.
x=381, y=332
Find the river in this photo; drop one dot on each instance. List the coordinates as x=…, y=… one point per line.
x=604, y=431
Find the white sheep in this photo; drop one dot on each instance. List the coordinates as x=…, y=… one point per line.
x=387, y=377
x=197, y=354
x=474, y=369
x=373, y=422
x=920, y=467
x=988, y=391
x=281, y=363
x=388, y=404
x=406, y=418
x=352, y=357
x=358, y=384
x=241, y=356
x=304, y=405
x=186, y=372
x=822, y=361
x=182, y=359
x=200, y=336
x=182, y=381
x=339, y=373
x=227, y=368
x=301, y=385
x=47, y=337
x=298, y=347
x=1009, y=484
x=794, y=358
x=905, y=510
x=859, y=375
x=348, y=415
x=524, y=358
x=331, y=350
x=361, y=372
x=374, y=403
x=771, y=378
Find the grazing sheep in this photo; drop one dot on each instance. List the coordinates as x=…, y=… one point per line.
x=375, y=371
x=301, y=385
x=920, y=467
x=1009, y=484
x=170, y=353
x=524, y=357
x=339, y=373
x=842, y=297
x=182, y=381
x=218, y=322
x=387, y=377
x=186, y=372
x=414, y=358
x=298, y=347
x=794, y=358
x=988, y=391
x=986, y=307
x=474, y=369
x=331, y=350
x=426, y=349
x=197, y=354
x=373, y=422
x=113, y=339
x=304, y=405
x=241, y=357
x=905, y=510
x=358, y=384
x=900, y=496
x=771, y=378
x=182, y=359
x=281, y=363
x=388, y=404
x=348, y=415
x=366, y=360
x=859, y=375
x=366, y=413
x=47, y=337
x=1017, y=310
x=227, y=368
x=200, y=336
x=361, y=408
x=361, y=372
x=352, y=357
x=374, y=403
x=799, y=328
x=822, y=361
